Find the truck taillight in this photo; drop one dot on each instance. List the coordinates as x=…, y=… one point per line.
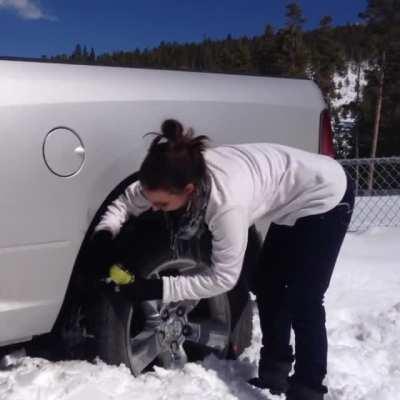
x=326, y=135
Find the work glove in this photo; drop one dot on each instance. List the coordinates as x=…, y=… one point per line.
x=119, y=275
x=132, y=287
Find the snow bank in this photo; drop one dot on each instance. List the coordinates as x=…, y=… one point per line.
x=363, y=311
x=363, y=308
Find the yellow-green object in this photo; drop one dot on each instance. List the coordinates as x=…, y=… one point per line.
x=120, y=276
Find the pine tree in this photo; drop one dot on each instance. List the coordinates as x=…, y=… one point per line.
x=85, y=54
x=327, y=57
x=383, y=27
x=92, y=56
x=266, y=59
x=291, y=43
x=242, y=57
x=77, y=54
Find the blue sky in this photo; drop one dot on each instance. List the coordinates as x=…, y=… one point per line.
x=30, y=28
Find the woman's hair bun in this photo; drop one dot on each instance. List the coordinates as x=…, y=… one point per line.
x=172, y=130
x=174, y=158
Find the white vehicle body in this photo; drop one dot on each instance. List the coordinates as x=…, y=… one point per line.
x=70, y=134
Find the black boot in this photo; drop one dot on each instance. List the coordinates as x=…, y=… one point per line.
x=299, y=391
x=273, y=375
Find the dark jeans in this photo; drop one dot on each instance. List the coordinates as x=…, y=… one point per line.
x=295, y=269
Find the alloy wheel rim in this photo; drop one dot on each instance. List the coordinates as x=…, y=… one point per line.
x=168, y=328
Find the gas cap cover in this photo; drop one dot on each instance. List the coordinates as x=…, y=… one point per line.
x=63, y=152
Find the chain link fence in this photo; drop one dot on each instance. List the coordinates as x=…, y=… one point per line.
x=377, y=192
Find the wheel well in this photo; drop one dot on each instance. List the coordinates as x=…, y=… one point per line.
x=77, y=286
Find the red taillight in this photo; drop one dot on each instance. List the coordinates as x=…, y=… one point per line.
x=326, y=135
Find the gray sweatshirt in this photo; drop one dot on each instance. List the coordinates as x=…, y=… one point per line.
x=248, y=181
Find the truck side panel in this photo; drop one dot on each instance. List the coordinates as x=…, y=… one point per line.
x=45, y=217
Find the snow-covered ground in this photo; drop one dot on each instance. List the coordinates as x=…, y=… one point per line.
x=363, y=311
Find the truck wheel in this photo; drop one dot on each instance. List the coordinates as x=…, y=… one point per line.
x=149, y=333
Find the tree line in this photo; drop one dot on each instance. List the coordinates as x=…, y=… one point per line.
x=371, y=46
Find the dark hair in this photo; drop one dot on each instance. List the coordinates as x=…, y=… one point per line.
x=174, y=159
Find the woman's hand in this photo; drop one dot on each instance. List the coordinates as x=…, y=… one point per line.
x=131, y=287
x=119, y=275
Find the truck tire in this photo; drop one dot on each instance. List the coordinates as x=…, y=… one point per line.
x=141, y=335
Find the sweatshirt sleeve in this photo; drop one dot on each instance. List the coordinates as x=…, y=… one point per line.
x=229, y=231
x=131, y=202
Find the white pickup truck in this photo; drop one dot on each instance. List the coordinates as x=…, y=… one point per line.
x=71, y=139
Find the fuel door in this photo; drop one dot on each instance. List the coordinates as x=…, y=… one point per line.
x=63, y=152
